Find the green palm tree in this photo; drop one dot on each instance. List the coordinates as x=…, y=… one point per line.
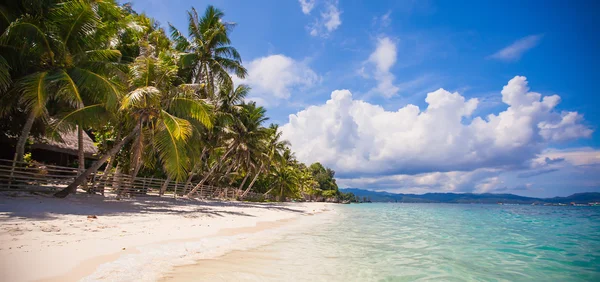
x=271, y=154
x=60, y=58
x=241, y=137
x=161, y=114
x=286, y=181
x=207, y=57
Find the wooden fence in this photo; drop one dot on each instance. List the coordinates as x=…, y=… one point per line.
x=49, y=178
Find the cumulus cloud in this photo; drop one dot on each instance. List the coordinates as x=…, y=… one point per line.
x=514, y=51
x=357, y=138
x=452, y=181
x=382, y=59
x=307, y=6
x=567, y=171
x=329, y=21
x=274, y=78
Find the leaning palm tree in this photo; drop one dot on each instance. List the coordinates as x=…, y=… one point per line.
x=271, y=154
x=160, y=116
x=206, y=56
x=243, y=137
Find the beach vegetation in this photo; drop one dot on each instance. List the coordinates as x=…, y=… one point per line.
x=157, y=103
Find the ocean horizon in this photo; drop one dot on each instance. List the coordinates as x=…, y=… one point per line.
x=422, y=242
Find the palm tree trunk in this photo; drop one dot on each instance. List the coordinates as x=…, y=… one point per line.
x=212, y=169
x=135, y=159
x=244, y=181
x=280, y=191
x=20, y=149
x=188, y=182
x=266, y=193
x=102, y=181
x=72, y=188
x=253, y=180
x=80, y=152
x=164, y=186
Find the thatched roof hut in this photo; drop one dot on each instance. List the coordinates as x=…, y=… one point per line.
x=68, y=145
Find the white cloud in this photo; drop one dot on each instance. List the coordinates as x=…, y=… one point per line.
x=552, y=172
x=330, y=20
x=514, y=51
x=384, y=20
x=452, y=181
x=358, y=138
x=577, y=157
x=307, y=6
x=383, y=58
x=489, y=184
x=275, y=77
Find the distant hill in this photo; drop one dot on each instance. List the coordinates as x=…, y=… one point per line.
x=580, y=198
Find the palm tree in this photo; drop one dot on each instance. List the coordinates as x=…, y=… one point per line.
x=60, y=59
x=207, y=56
x=241, y=138
x=285, y=180
x=272, y=154
x=161, y=114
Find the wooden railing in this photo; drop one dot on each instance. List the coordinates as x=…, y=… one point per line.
x=22, y=176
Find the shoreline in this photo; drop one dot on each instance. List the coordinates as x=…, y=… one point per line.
x=47, y=239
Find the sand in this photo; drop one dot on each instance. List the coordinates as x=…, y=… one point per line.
x=92, y=238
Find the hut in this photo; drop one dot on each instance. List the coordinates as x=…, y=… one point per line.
x=63, y=152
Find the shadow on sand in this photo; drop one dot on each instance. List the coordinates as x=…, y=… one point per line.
x=46, y=208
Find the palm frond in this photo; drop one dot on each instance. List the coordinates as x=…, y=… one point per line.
x=98, y=86
x=170, y=142
x=68, y=90
x=27, y=31
x=181, y=43
x=5, y=79
x=103, y=55
x=187, y=60
x=93, y=116
x=138, y=96
x=229, y=52
x=192, y=108
x=33, y=91
x=76, y=21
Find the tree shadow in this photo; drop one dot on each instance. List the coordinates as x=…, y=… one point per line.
x=47, y=208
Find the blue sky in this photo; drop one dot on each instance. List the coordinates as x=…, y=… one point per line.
x=386, y=55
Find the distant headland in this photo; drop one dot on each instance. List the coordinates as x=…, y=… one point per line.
x=590, y=198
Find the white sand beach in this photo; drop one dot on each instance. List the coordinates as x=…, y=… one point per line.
x=93, y=238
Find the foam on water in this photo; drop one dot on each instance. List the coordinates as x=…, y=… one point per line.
x=407, y=242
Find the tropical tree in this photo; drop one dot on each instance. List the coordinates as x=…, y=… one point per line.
x=242, y=138
x=156, y=106
x=275, y=148
x=206, y=56
x=161, y=115
x=61, y=58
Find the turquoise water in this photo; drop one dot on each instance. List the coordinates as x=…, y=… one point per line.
x=430, y=242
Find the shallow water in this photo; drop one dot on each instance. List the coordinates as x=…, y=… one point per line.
x=424, y=242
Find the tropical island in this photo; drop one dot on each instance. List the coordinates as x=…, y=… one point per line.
x=588, y=199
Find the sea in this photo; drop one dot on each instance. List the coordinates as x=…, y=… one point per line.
x=422, y=242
